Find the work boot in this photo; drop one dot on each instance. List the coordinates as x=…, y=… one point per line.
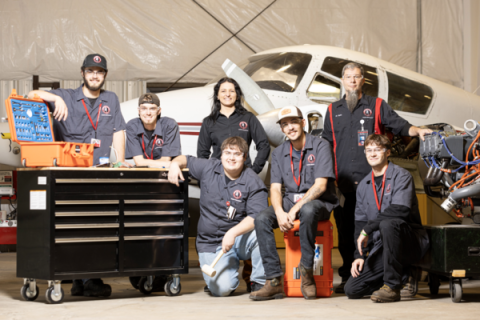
x=386, y=294
x=77, y=288
x=341, y=287
x=272, y=289
x=96, y=288
x=411, y=287
x=308, y=286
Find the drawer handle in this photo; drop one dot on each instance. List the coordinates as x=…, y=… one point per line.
x=87, y=226
x=86, y=214
x=79, y=240
x=153, y=224
x=174, y=236
x=153, y=201
x=112, y=181
x=153, y=213
x=66, y=202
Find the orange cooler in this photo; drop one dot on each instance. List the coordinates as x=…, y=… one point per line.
x=323, y=271
x=31, y=127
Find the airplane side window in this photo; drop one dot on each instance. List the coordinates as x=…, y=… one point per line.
x=407, y=95
x=323, y=90
x=334, y=67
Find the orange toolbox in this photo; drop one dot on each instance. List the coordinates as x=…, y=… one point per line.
x=323, y=271
x=31, y=127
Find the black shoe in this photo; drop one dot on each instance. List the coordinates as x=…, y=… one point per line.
x=254, y=286
x=205, y=289
x=96, y=288
x=77, y=288
x=249, y=286
x=341, y=287
x=410, y=289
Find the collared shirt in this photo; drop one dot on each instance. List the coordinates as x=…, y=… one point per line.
x=317, y=162
x=78, y=128
x=165, y=140
x=352, y=165
x=247, y=194
x=245, y=125
x=400, y=190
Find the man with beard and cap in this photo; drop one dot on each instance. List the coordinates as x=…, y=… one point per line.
x=303, y=165
x=152, y=140
x=348, y=122
x=88, y=115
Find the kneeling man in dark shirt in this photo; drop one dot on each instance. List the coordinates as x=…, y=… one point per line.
x=387, y=226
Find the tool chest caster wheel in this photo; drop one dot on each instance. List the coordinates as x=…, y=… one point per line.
x=134, y=281
x=173, y=286
x=433, y=283
x=27, y=293
x=145, y=285
x=54, y=297
x=456, y=290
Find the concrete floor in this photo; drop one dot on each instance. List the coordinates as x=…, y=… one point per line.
x=193, y=303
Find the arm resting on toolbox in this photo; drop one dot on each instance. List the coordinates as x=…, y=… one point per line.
x=119, y=145
x=163, y=162
x=61, y=110
x=175, y=172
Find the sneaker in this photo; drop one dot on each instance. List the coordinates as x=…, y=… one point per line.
x=386, y=294
x=341, y=287
x=96, y=288
x=205, y=289
x=272, y=289
x=77, y=288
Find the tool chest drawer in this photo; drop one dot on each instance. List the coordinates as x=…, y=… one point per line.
x=80, y=223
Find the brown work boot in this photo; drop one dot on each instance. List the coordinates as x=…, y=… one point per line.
x=386, y=294
x=272, y=289
x=411, y=287
x=308, y=287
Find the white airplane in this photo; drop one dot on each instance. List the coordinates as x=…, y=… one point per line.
x=309, y=77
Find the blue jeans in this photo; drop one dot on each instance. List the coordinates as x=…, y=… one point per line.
x=226, y=279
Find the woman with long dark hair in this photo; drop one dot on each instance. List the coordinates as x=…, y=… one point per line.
x=229, y=118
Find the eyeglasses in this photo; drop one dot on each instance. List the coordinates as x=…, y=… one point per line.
x=100, y=73
x=145, y=109
x=357, y=77
x=234, y=154
x=376, y=150
x=286, y=124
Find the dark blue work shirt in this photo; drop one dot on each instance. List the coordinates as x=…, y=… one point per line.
x=78, y=128
x=247, y=194
x=317, y=162
x=351, y=163
x=165, y=140
x=400, y=190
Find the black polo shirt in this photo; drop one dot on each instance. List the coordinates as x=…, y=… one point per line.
x=78, y=128
x=351, y=163
x=165, y=140
x=247, y=194
x=317, y=162
x=245, y=125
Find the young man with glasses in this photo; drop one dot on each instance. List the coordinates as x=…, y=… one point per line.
x=230, y=198
x=152, y=140
x=89, y=114
x=347, y=124
x=303, y=165
x=388, y=228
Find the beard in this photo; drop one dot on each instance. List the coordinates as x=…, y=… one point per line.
x=93, y=88
x=352, y=99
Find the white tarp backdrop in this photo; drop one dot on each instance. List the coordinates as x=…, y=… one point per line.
x=160, y=40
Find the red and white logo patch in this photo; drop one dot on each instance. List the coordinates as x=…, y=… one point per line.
x=237, y=194
x=389, y=188
x=97, y=59
x=311, y=158
x=367, y=112
x=106, y=109
x=159, y=142
x=243, y=125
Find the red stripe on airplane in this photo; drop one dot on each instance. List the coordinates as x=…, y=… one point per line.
x=189, y=123
x=187, y=133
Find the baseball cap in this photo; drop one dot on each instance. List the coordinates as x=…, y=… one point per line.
x=289, y=111
x=149, y=98
x=95, y=60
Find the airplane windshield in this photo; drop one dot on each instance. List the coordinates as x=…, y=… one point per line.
x=277, y=71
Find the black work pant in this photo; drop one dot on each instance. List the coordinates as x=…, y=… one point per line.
x=388, y=265
x=345, y=220
x=266, y=221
